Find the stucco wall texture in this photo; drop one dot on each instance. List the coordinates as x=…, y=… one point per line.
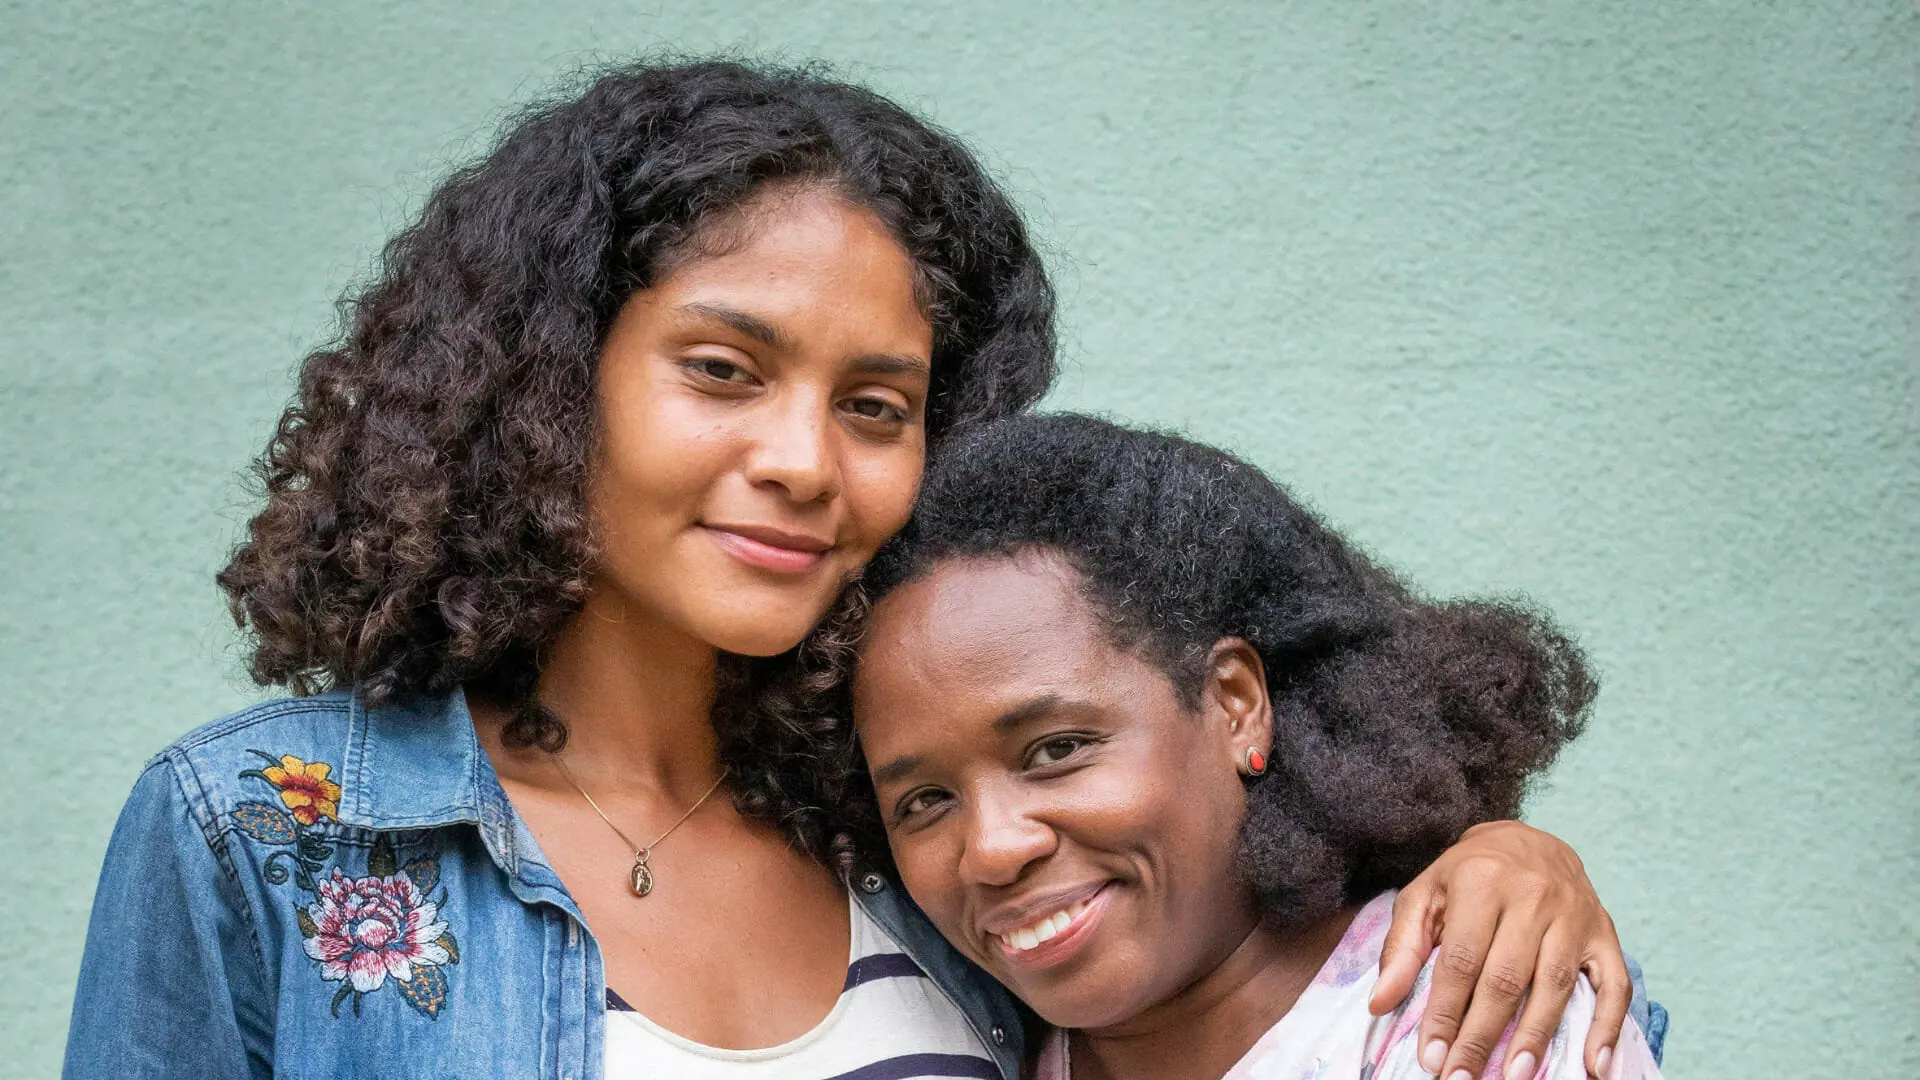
x=1609, y=303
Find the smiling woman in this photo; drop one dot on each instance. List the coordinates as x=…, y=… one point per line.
x=1154, y=747
x=625, y=410
x=627, y=407
x=763, y=415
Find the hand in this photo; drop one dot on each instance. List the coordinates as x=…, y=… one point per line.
x=1511, y=911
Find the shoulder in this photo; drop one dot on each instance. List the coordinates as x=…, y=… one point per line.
x=267, y=717
x=292, y=744
x=1393, y=1052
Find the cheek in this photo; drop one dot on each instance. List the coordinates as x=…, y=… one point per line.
x=1182, y=812
x=927, y=870
x=654, y=453
x=880, y=485
x=1209, y=805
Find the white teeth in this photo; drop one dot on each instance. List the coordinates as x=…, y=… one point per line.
x=1034, y=933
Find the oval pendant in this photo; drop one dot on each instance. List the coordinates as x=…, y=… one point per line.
x=641, y=880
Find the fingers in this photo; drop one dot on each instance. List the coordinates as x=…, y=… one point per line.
x=1465, y=941
x=1510, y=906
x=1498, y=992
x=1614, y=991
x=1554, y=975
x=1409, y=943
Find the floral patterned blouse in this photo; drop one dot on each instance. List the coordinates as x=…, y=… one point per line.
x=1330, y=1035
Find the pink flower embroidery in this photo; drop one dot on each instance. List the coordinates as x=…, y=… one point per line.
x=365, y=929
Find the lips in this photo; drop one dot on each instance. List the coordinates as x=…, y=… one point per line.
x=766, y=547
x=1044, y=930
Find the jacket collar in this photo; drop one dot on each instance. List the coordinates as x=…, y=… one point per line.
x=415, y=762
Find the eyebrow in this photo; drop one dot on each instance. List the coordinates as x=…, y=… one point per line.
x=764, y=332
x=1009, y=721
x=897, y=769
x=890, y=364
x=752, y=326
x=1025, y=713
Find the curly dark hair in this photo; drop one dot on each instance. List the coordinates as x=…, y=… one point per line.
x=1398, y=722
x=426, y=519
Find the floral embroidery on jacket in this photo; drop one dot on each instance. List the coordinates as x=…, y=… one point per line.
x=304, y=788
x=362, y=931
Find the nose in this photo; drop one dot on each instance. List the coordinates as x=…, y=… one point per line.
x=1003, y=839
x=794, y=448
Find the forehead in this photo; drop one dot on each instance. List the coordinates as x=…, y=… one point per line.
x=974, y=634
x=794, y=238
x=818, y=276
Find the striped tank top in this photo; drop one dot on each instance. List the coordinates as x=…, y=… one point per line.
x=890, y=1023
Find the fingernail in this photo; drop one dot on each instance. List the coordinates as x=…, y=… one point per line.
x=1521, y=1067
x=1605, y=1059
x=1434, y=1056
x=1460, y=1074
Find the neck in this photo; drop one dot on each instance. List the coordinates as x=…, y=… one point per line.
x=637, y=698
x=1212, y=1023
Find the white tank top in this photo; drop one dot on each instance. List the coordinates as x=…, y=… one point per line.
x=891, y=1023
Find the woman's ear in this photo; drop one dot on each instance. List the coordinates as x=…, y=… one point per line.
x=1237, y=690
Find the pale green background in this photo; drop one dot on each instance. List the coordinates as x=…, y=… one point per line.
x=1609, y=302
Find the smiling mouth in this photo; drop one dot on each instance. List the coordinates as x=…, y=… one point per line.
x=765, y=549
x=1045, y=929
x=1051, y=937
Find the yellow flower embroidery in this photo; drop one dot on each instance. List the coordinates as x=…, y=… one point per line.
x=305, y=788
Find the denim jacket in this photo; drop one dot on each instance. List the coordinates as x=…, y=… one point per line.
x=309, y=888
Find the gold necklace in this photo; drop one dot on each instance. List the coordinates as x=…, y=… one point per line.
x=640, y=878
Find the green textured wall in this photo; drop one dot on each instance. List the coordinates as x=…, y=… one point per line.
x=1609, y=302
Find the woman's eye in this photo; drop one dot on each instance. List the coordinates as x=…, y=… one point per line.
x=1054, y=751
x=919, y=803
x=877, y=409
x=720, y=370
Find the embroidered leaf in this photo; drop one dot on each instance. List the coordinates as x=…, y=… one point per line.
x=425, y=872
x=426, y=991
x=453, y=947
x=314, y=852
x=307, y=926
x=380, y=861
x=265, y=823
x=345, y=989
x=275, y=870
x=271, y=759
x=356, y=1003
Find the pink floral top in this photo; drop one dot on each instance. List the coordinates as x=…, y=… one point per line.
x=1330, y=1035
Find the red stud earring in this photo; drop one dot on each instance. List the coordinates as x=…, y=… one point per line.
x=1254, y=762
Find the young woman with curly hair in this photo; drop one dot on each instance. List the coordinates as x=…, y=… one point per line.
x=1155, y=747
x=623, y=411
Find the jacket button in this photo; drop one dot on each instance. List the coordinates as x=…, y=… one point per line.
x=873, y=883
x=999, y=1036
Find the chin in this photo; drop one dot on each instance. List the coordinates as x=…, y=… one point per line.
x=759, y=645
x=769, y=633
x=738, y=614
x=1088, y=1011
x=1081, y=995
